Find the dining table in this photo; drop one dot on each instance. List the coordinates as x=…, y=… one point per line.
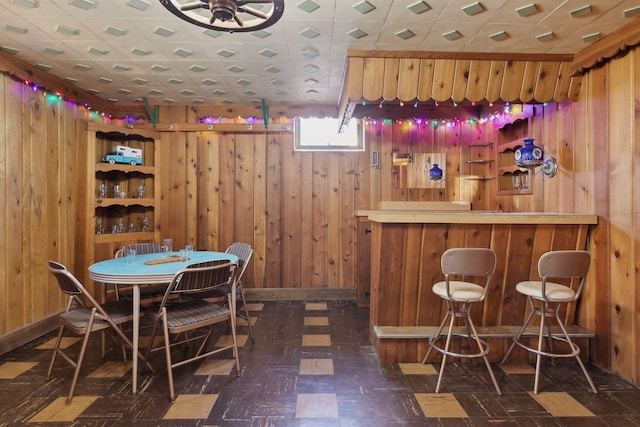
x=147, y=269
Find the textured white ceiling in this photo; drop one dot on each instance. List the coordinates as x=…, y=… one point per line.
x=301, y=59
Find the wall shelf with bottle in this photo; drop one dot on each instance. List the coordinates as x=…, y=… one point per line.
x=122, y=195
x=512, y=180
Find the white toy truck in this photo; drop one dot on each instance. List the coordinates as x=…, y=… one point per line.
x=122, y=154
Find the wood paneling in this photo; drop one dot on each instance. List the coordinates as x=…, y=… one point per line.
x=596, y=140
x=409, y=264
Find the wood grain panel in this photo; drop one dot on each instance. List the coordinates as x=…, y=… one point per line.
x=545, y=86
x=443, y=74
x=529, y=79
x=494, y=83
x=391, y=70
x=512, y=81
x=623, y=306
x=354, y=84
x=425, y=79
x=408, y=78
x=373, y=78
x=479, y=73
x=460, y=80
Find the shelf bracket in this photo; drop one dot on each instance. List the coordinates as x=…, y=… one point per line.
x=265, y=114
x=153, y=115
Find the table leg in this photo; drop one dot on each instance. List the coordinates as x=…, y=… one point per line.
x=136, y=334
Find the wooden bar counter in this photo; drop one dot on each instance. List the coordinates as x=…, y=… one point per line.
x=406, y=247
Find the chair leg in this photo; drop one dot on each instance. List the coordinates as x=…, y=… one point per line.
x=55, y=352
x=235, y=343
x=577, y=356
x=446, y=349
x=85, y=341
x=246, y=313
x=167, y=353
x=539, y=353
x=517, y=337
x=481, y=349
x=444, y=320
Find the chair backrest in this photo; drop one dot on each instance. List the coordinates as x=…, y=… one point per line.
x=201, y=277
x=71, y=286
x=141, y=248
x=568, y=264
x=243, y=251
x=468, y=262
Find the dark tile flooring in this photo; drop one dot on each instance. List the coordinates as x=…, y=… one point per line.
x=312, y=364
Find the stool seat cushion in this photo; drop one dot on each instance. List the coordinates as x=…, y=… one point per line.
x=459, y=290
x=555, y=291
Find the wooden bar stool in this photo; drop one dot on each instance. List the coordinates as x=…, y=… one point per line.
x=463, y=263
x=550, y=296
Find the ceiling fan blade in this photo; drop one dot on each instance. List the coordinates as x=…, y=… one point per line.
x=252, y=11
x=212, y=19
x=194, y=5
x=238, y=21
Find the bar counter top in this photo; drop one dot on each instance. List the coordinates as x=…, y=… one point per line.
x=474, y=217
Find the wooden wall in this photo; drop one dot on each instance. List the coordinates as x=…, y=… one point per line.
x=39, y=159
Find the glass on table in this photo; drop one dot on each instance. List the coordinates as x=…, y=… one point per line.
x=130, y=254
x=188, y=251
x=168, y=243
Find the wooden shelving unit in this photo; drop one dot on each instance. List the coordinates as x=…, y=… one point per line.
x=123, y=219
x=510, y=138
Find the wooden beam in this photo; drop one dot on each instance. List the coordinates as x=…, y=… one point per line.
x=354, y=53
x=606, y=48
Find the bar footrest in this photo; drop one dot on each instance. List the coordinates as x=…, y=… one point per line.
x=426, y=332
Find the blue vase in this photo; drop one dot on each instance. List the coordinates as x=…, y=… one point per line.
x=529, y=156
x=435, y=173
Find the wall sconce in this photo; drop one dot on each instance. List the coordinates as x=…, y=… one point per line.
x=530, y=156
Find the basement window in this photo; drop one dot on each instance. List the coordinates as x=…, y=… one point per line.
x=316, y=134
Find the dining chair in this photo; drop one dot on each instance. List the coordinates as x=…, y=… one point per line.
x=84, y=315
x=459, y=266
x=244, y=252
x=185, y=315
x=546, y=296
x=150, y=293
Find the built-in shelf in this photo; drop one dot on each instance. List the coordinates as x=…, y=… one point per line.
x=481, y=161
x=479, y=178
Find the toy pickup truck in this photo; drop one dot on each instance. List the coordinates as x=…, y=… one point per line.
x=122, y=154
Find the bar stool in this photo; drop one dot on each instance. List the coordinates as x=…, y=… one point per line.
x=570, y=264
x=460, y=296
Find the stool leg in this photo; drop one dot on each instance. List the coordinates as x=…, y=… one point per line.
x=517, y=337
x=444, y=320
x=481, y=349
x=539, y=355
x=577, y=356
x=446, y=349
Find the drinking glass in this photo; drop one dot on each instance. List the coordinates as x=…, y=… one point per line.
x=169, y=244
x=130, y=254
x=189, y=251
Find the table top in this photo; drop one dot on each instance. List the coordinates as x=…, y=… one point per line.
x=122, y=271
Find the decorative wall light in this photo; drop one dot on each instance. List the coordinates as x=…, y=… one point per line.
x=228, y=15
x=530, y=156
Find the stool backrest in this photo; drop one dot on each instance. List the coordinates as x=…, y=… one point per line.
x=468, y=262
x=568, y=264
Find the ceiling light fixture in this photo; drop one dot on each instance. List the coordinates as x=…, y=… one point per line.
x=228, y=15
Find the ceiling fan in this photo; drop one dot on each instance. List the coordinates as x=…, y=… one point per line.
x=228, y=15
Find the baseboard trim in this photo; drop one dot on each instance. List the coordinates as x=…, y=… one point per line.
x=21, y=336
x=298, y=294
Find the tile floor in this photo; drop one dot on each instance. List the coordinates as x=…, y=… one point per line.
x=311, y=365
